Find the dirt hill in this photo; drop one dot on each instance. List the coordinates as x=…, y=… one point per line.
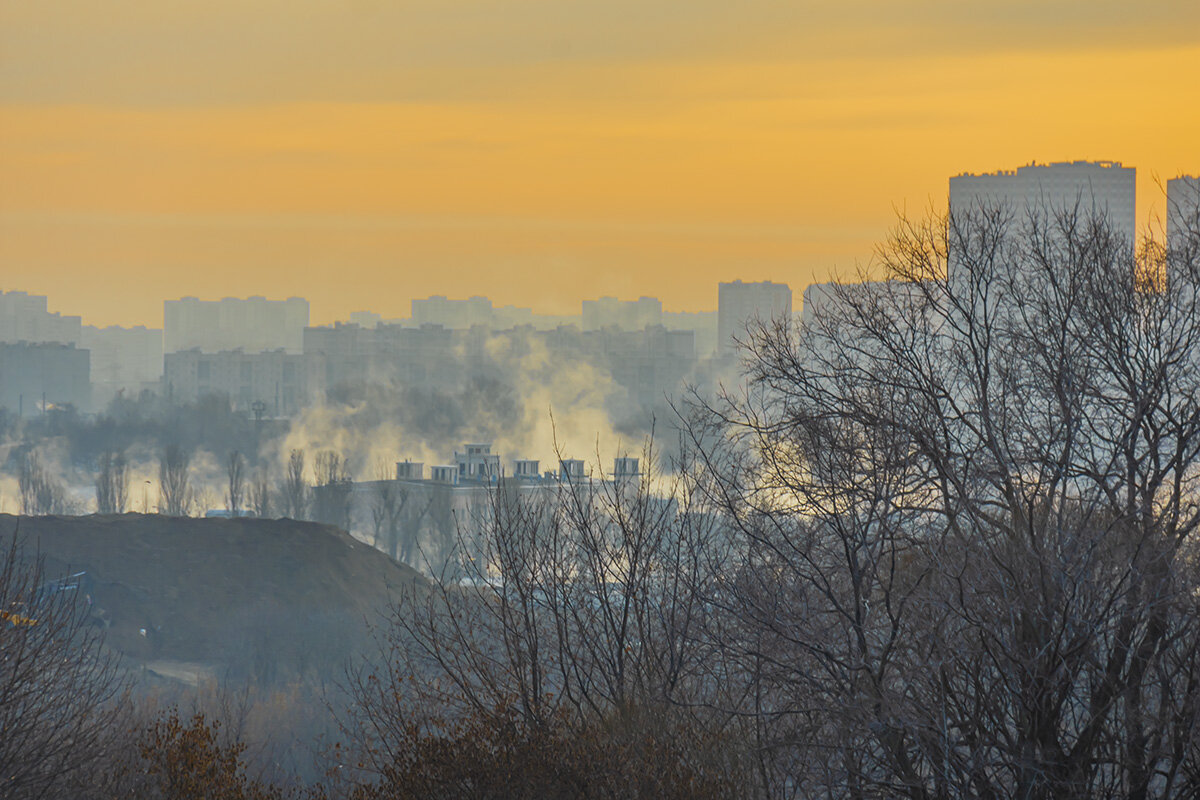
x=268, y=599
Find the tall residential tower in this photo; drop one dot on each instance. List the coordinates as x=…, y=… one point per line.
x=739, y=304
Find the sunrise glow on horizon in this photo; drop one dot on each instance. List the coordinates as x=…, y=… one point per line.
x=536, y=152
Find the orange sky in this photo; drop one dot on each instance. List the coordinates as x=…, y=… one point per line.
x=539, y=152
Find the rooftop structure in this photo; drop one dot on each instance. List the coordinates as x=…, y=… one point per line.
x=476, y=462
x=410, y=470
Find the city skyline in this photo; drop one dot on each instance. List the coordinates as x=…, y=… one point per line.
x=1151, y=217
x=538, y=154
x=971, y=187
x=1066, y=180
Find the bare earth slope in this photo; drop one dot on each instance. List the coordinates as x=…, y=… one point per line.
x=268, y=599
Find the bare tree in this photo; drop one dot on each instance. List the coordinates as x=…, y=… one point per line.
x=295, y=488
x=112, y=483
x=574, y=605
x=331, y=489
x=260, y=494
x=388, y=499
x=965, y=504
x=235, y=472
x=59, y=687
x=174, y=484
x=40, y=493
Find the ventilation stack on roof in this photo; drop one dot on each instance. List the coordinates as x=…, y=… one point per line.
x=571, y=469
x=477, y=462
x=410, y=470
x=444, y=473
x=625, y=469
x=525, y=468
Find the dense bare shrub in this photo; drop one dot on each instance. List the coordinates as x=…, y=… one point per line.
x=112, y=483
x=40, y=492
x=59, y=688
x=176, y=496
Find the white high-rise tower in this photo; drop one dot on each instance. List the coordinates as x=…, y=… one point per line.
x=1100, y=189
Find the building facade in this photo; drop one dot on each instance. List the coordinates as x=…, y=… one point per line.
x=25, y=318
x=740, y=304
x=253, y=324
x=35, y=377
x=1183, y=211
x=626, y=315
x=277, y=383
x=126, y=360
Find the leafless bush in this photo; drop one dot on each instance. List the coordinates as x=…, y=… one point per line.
x=176, y=496
x=235, y=473
x=295, y=488
x=387, y=505
x=331, y=489
x=558, y=612
x=112, y=483
x=496, y=755
x=260, y=494
x=40, y=493
x=59, y=688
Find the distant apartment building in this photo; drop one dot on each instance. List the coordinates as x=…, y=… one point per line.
x=39, y=376
x=277, y=382
x=740, y=304
x=352, y=355
x=126, y=360
x=819, y=300
x=647, y=363
x=626, y=315
x=470, y=313
x=253, y=324
x=650, y=364
x=1183, y=210
x=703, y=324
x=365, y=319
x=25, y=318
x=1101, y=188
x=1095, y=189
x=453, y=314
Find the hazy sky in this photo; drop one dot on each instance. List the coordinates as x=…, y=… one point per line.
x=361, y=153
